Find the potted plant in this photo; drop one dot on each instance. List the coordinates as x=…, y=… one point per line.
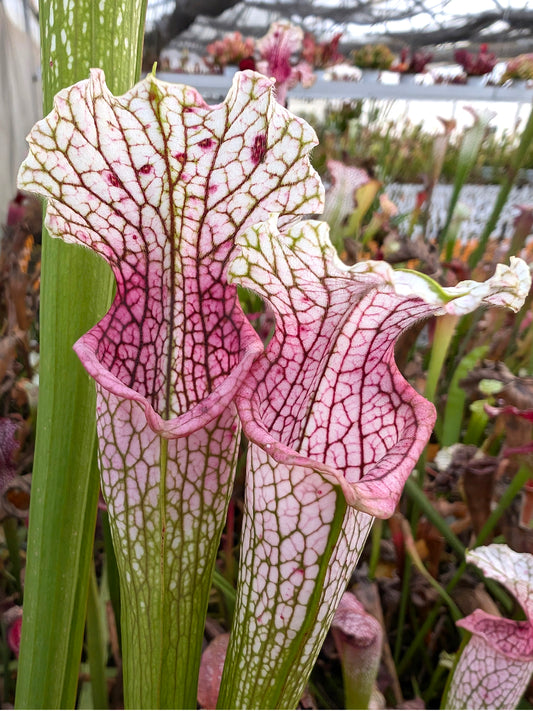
x=278, y=51
x=228, y=51
x=519, y=69
x=321, y=55
x=476, y=65
x=412, y=63
x=373, y=57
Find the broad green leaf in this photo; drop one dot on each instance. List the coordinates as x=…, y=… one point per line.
x=75, y=292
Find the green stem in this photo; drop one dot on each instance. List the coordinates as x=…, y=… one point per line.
x=226, y=590
x=417, y=562
x=440, y=524
x=6, y=691
x=455, y=401
x=112, y=571
x=453, y=232
x=444, y=330
x=518, y=482
x=229, y=561
x=376, y=535
x=477, y=424
x=416, y=494
x=511, y=492
x=467, y=158
x=402, y=610
x=436, y=677
x=517, y=162
x=96, y=645
x=13, y=546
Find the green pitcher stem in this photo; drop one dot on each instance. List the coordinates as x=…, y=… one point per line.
x=164, y=597
x=285, y=688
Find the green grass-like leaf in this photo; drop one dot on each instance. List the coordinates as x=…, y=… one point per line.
x=76, y=292
x=455, y=402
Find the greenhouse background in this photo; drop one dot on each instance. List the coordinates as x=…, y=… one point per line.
x=172, y=30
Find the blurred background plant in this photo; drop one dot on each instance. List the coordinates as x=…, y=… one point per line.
x=279, y=57
x=412, y=62
x=321, y=55
x=401, y=151
x=475, y=65
x=230, y=50
x=372, y=56
x=520, y=67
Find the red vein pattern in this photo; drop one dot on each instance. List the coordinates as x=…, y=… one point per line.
x=325, y=407
x=159, y=184
x=497, y=663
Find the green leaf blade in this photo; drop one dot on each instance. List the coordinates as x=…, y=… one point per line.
x=76, y=291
